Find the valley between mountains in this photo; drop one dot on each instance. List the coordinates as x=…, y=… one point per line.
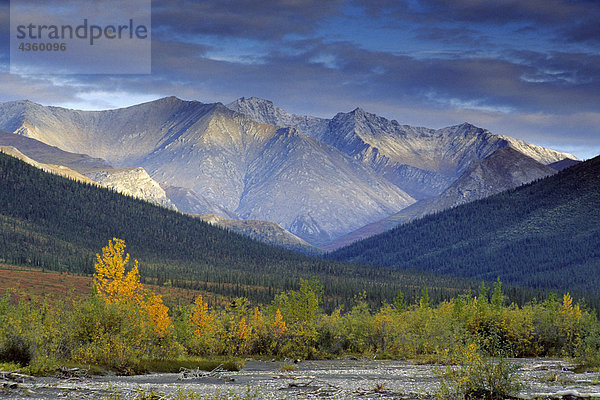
x=300, y=182
x=433, y=216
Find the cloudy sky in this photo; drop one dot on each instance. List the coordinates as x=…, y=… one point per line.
x=525, y=68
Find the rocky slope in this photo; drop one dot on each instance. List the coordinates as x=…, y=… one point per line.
x=318, y=178
x=563, y=164
x=506, y=168
x=267, y=232
x=253, y=170
x=132, y=182
x=43, y=153
x=188, y=201
x=266, y=112
x=421, y=161
x=51, y=168
x=129, y=181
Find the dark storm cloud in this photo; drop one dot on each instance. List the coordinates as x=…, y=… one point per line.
x=450, y=36
x=506, y=11
x=4, y=32
x=537, y=96
x=526, y=68
x=270, y=19
x=573, y=20
x=558, y=83
x=481, y=11
x=534, y=81
x=587, y=31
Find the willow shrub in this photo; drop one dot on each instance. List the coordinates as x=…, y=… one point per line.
x=122, y=334
x=475, y=376
x=32, y=333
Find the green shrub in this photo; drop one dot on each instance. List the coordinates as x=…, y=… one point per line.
x=16, y=349
x=478, y=377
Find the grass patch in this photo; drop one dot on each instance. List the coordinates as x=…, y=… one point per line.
x=9, y=367
x=287, y=367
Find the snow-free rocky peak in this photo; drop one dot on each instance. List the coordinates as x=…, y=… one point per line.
x=132, y=182
x=242, y=167
x=421, y=161
x=264, y=111
x=506, y=168
x=317, y=178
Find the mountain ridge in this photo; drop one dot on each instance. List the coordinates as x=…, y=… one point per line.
x=421, y=161
x=216, y=153
x=347, y=172
x=504, y=169
x=542, y=234
x=47, y=221
x=135, y=182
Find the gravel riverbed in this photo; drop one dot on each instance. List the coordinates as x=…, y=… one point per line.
x=329, y=379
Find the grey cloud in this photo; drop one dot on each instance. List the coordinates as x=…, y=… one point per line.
x=572, y=82
x=536, y=95
x=476, y=11
x=46, y=90
x=525, y=81
x=572, y=20
x=568, y=67
x=450, y=36
x=271, y=19
x=587, y=31
x=4, y=32
x=540, y=11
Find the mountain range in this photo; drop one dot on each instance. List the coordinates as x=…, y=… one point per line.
x=421, y=161
x=320, y=179
x=543, y=234
x=504, y=169
x=50, y=222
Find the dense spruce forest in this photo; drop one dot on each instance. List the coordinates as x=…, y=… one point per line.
x=542, y=235
x=51, y=222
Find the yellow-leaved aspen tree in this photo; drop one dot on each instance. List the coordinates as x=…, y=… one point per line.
x=201, y=319
x=114, y=285
x=158, y=314
x=279, y=327
x=110, y=280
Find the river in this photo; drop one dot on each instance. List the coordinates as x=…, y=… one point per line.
x=330, y=379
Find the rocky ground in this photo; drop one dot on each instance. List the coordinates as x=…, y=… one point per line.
x=337, y=379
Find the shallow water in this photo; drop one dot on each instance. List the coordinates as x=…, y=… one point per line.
x=330, y=379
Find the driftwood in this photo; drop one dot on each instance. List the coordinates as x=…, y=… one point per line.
x=197, y=373
x=286, y=376
x=11, y=380
x=16, y=377
x=550, y=366
x=311, y=386
x=72, y=373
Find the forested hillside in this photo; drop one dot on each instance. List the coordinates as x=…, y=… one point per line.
x=51, y=222
x=542, y=235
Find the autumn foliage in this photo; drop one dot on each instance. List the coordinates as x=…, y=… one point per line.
x=111, y=281
x=123, y=323
x=201, y=319
x=114, y=285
